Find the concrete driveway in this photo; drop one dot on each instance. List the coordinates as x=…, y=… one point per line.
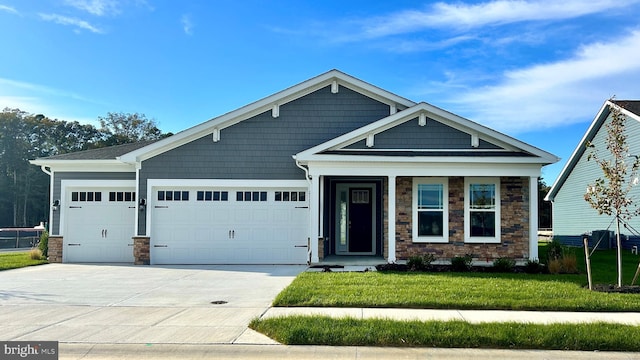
x=119, y=304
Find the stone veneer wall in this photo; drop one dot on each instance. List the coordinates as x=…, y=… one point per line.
x=141, y=252
x=55, y=249
x=514, y=223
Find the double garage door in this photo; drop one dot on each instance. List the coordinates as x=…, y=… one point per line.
x=217, y=225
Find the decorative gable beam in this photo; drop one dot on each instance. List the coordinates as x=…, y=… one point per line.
x=216, y=134
x=370, y=139
x=475, y=140
x=334, y=87
x=393, y=109
x=422, y=119
x=275, y=111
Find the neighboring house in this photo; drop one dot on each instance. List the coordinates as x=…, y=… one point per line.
x=572, y=215
x=331, y=166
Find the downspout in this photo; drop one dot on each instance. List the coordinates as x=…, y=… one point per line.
x=308, y=178
x=44, y=170
x=50, y=173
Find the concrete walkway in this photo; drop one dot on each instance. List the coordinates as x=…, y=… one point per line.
x=471, y=316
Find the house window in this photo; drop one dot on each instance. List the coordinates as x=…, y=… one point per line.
x=290, y=196
x=482, y=210
x=430, y=210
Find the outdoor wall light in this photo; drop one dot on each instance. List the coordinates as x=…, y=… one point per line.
x=55, y=205
x=142, y=204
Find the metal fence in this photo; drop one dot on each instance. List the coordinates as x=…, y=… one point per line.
x=16, y=238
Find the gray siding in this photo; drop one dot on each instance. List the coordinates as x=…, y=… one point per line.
x=261, y=147
x=57, y=188
x=434, y=135
x=572, y=215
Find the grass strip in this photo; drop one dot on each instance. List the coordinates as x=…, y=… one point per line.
x=320, y=330
x=15, y=260
x=482, y=291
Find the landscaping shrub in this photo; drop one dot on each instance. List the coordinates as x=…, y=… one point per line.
x=555, y=266
x=569, y=263
x=35, y=254
x=44, y=244
x=461, y=263
x=533, y=267
x=420, y=262
x=504, y=264
x=555, y=250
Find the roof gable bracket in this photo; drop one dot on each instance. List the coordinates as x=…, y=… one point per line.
x=334, y=87
x=393, y=108
x=275, y=111
x=475, y=140
x=216, y=134
x=422, y=119
x=370, y=139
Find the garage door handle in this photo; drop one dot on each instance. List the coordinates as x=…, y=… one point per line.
x=304, y=246
x=161, y=207
x=73, y=244
x=75, y=207
x=302, y=207
x=130, y=244
x=160, y=245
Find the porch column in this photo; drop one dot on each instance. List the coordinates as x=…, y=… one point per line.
x=533, y=218
x=391, y=215
x=314, y=215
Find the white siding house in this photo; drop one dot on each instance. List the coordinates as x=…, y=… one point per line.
x=572, y=215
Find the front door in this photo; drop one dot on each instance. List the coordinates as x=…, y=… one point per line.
x=355, y=219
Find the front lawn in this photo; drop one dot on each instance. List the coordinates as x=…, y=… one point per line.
x=451, y=291
x=318, y=330
x=14, y=260
x=506, y=291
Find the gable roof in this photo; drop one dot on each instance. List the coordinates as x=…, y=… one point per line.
x=105, y=153
x=334, y=78
x=511, y=148
x=631, y=108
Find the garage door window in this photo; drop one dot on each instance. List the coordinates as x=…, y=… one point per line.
x=120, y=196
x=290, y=196
x=175, y=195
x=86, y=196
x=212, y=196
x=251, y=196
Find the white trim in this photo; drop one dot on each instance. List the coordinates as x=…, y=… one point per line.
x=228, y=183
x=533, y=218
x=314, y=206
x=85, y=165
x=445, y=210
x=467, y=211
x=391, y=214
x=422, y=169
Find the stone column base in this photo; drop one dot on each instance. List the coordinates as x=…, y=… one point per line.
x=141, y=253
x=55, y=249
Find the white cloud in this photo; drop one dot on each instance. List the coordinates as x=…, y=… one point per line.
x=559, y=93
x=8, y=9
x=69, y=21
x=465, y=16
x=187, y=24
x=96, y=7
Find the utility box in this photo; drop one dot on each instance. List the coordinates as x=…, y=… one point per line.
x=607, y=242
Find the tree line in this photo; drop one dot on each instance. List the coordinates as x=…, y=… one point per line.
x=24, y=188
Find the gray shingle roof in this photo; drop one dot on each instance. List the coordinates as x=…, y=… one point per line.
x=106, y=153
x=631, y=105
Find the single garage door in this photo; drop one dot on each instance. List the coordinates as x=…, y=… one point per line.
x=229, y=226
x=99, y=225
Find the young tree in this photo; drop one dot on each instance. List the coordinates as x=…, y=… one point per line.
x=610, y=195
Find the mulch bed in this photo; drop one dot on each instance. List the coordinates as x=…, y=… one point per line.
x=624, y=289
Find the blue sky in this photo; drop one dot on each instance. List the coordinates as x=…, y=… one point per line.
x=537, y=70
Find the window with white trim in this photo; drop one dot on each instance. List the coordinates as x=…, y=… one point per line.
x=430, y=210
x=482, y=210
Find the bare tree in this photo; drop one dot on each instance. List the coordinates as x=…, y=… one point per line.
x=610, y=195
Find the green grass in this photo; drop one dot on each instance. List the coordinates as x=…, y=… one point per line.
x=504, y=291
x=317, y=330
x=15, y=260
